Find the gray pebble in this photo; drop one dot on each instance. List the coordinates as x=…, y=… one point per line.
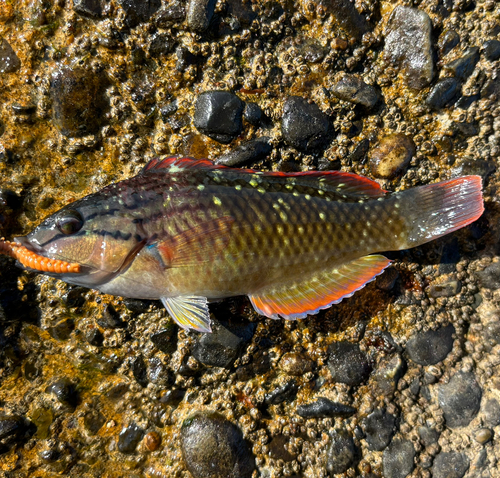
x=443, y=92
x=389, y=370
x=341, y=452
x=247, y=153
x=491, y=49
x=448, y=40
x=160, y=45
x=283, y=393
x=352, y=88
x=392, y=155
x=348, y=17
x=398, y=459
x=218, y=114
x=463, y=67
x=379, y=428
x=431, y=347
x=129, y=438
x=213, y=447
x=323, y=407
x=445, y=289
x=460, y=399
x=408, y=44
x=347, y=363
x=9, y=61
x=139, y=11
x=304, y=125
x=428, y=436
x=88, y=8
x=199, y=14
x=491, y=411
x=490, y=276
x=450, y=465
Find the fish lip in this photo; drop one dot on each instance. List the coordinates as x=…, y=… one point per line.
x=25, y=242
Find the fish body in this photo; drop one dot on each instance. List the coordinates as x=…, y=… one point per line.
x=186, y=230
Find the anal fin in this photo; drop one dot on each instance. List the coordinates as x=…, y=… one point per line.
x=298, y=299
x=189, y=312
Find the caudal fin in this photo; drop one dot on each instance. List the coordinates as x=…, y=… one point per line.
x=438, y=209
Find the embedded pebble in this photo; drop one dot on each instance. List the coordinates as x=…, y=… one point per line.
x=491, y=411
x=388, y=372
x=213, y=447
x=341, y=452
x=463, y=67
x=138, y=11
x=12, y=427
x=448, y=40
x=428, y=435
x=450, y=465
x=392, y=155
x=165, y=339
x=347, y=363
x=152, y=441
x=285, y=392
x=78, y=101
x=65, y=392
x=160, y=45
x=352, y=88
x=490, y=276
x=304, y=125
x=199, y=14
x=460, y=399
x=129, y=438
x=379, y=428
x=323, y=407
x=90, y=8
x=218, y=114
x=294, y=363
x=94, y=337
x=9, y=62
x=348, y=17
x=398, y=459
x=253, y=113
x=491, y=50
x=140, y=371
x=443, y=92
x=408, y=44
x=483, y=435
x=445, y=289
x=247, y=152
x=220, y=348
x=431, y=347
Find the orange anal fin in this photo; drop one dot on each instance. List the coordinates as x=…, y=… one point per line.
x=298, y=299
x=202, y=243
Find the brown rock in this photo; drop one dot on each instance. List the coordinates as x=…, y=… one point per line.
x=392, y=155
x=295, y=364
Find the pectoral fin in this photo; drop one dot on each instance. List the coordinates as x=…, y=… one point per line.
x=298, y=299
x=189, y=312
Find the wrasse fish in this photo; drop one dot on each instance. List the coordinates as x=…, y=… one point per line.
x=186, y=231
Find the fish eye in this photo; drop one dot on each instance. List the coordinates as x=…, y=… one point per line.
x=69, y=222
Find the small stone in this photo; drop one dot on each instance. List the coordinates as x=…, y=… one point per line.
x=139, y=11
x=247, y=153
x=168, y=110
x=161, y=44
x=88, y=8
x=491, y=49
x=398, y=459
x=152, y=441
x=431, y=347
x=221, y=347
x=392, y=156
x=491, y=411
x=65, y=392
x=490, y=276
x=353, y=89
x=450, y=465
x=9, y=61
x=408, y=44
x=295, y=364
x=428, y=436
x=140, y=371
x=129, y=438
x=173, y=13
x=173, y=397
x=448, y=40
x=443, y=92
x=165, y=339
x=283, y=393
x=483, y=435
x=460, y=399
x=347, y=363
x=110, y=318
x=341, y=452
x=199, y=14
x=12, y=427
x=463, y=67
x=387, y=280
x=323, y=407
x=93, y=421
x=218, y=114
x=137, y=306
x=304, y=125
x=347, y=17
x=213, y=447
x=379, y=428
x=446, y=289
x=389, y=370
x=253, y=114
x=94, y=337
x=62, y=330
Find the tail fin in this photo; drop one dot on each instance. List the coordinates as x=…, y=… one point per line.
x=438, y=209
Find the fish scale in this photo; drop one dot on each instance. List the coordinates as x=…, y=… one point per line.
x=186, y=231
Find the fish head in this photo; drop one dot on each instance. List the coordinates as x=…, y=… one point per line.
x=94, y=233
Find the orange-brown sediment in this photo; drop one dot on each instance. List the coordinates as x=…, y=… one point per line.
x=34, y=261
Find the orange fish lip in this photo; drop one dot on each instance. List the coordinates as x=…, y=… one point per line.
x=32, y=260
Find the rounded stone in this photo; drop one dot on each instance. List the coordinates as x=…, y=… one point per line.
x=218, y=114
x=431, y=347
x=353, y=89
x=304, y=125
x=152, y=441
x=65, y=391
x=392, y=156
x=450, y=465
x=463, y=67
x=443, y=92
x=11, y=427
x=129, y=438
x=247, y=152
x=253, y=113
x=398, y=459
x=213, y=447
x=9, y=61
x=379, y=428
x=323, y=407
x=296, y=364
x=491, y=50
x=347, y=363
x=460, y=399
x=483, y=435
x=199, y=14
x=341, y=452
x=138, y=11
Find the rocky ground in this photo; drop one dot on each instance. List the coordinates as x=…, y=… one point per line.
x=400, y=380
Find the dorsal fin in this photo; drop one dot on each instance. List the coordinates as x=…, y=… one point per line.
x=347, y=183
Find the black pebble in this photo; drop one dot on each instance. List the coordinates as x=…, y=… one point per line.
x=168, y=110
x=450, y=465
x=88, y=8
x=460, y=399
x=397, y=460
x=447, y=41
x=347, y=363
x=139, y=11
x=140, y=371
x=65, y=392
x=252, y=113
x=353, y=89
x=429, y=348
x=248, y=152
x=285, y=392
x=110, y=318
x=161, y=44
x=323, y=407
x=379, y=428
x=173, y=397
x=463, y=67
x=218, y=114
x=491, y=50
x=165, y=340
x=9, y=61
x=304, y=125
x=94, y=337
x=137, y=306
x=443, y=92
x=348, y=17
x=199, y=14
x=129, y=438
x=341, y=452
x=173, y=13
x=11, y=427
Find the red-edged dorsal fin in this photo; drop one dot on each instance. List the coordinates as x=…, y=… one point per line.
x=348, y=184
x=298, y=299
x=202, y=243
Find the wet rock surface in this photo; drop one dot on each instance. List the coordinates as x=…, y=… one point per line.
x=325, y=408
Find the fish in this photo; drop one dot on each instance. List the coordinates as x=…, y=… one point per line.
x=187, y=231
